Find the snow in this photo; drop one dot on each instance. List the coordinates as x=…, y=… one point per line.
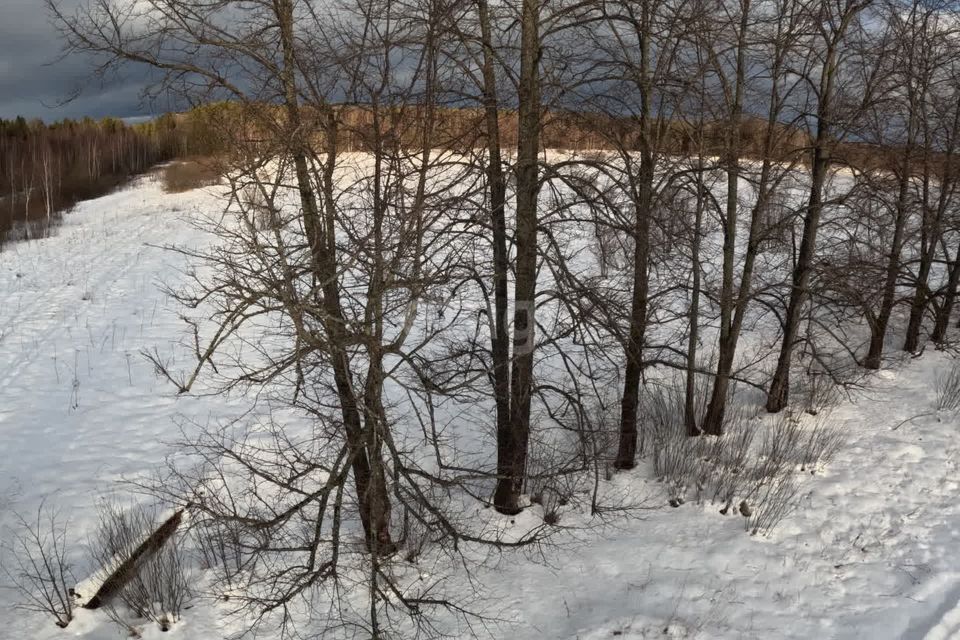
x=872, y=551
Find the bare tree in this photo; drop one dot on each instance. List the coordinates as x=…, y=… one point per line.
x=933, y=33
x=833, y=25
x=512, y=449
x=778, y=38
x=329, y=259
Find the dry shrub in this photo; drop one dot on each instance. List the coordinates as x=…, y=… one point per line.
x=819, y=392
x=787, y=445
x=823, y=439
x=757, y=474
x=780, y=446
x=158, y=590
x=557, y=474
x=775, y=499
x=729, y=458
x=219, y=544
x=598, y=440
x=39, y=570
x=709, y=468
x=414, y=536
x=674, y=455
x=608, y=249
x=192, y=173
x=948, y=388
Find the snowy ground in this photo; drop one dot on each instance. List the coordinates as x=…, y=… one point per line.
x=873, y=552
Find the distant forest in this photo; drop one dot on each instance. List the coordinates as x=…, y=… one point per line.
x=47, y=168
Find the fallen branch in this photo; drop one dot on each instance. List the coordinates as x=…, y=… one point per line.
x=122, y=575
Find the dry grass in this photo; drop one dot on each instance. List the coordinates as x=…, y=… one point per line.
x=190, y=173
x=948, y=388
x=754, y=464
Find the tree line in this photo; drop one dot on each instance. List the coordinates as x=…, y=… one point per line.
x=47, y=168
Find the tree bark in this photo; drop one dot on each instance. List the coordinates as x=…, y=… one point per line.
x=511, y=474
x=690, y=407
x=372, y=497
x=778, y=394
x=496, y=184
x=642, y=196
x=878, y=328
x=949, y=298
x=713, y=421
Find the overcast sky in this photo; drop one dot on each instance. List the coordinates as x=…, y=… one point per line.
x=34, y=82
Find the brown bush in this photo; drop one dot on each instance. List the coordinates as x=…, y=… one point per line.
x=192, y=173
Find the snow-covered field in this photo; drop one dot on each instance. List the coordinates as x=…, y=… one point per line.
x=872, y=552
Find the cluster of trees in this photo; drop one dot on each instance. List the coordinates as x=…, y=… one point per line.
x=46, y=168
x=465, y=315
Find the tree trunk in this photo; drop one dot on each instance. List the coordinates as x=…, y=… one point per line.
x=949, y=298
x=780, y=385
x=921, y=295
x=878, y=329
x=947, y=186
x=511, y=473
x=713, y=422
x=642, y=196
x=496, y=183
x=372, y=496
x=629, y=406
x=779, y=392
x=690, y=408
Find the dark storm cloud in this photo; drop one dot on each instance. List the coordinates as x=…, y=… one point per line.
x=35, y=80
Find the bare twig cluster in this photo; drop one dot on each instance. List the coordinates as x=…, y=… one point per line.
x=40, y=569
